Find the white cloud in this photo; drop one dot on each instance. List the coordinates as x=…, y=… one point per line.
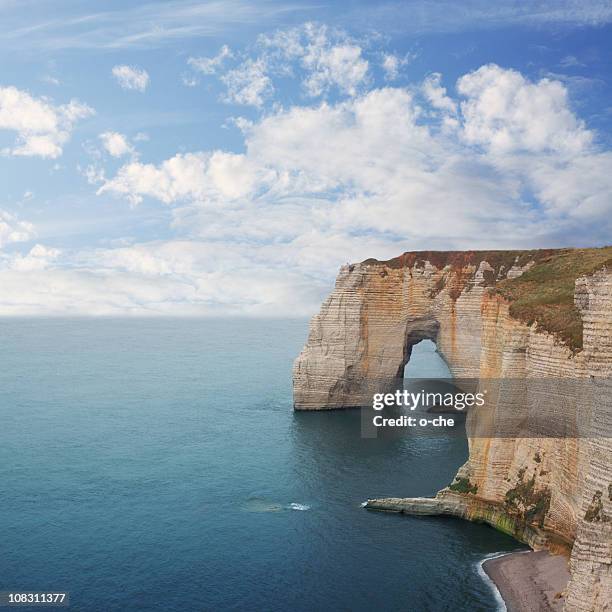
x=116, y=144
x=436, y=94
x=392, y=63
x=396, y=164
x=42, y=128
x=176, y=178
x=580, y=188
x=54, y=290
x=249, y=83
x=38, y=258
x=505, y=112
x=288, y=42
x=94, y=173
x=341, y=65
x=207, y=177
x=178, y=277
x=131, y=77
x=329, y=58
x=262, y=232
x=529, y=131
x=287, y=182
x=14, y=230
x=323, y=59
x=210, y=65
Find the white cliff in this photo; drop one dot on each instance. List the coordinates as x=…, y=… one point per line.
x=493, y=315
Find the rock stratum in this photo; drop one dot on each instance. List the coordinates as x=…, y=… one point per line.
x=544, y=315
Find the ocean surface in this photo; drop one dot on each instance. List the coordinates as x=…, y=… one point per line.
x=156, y=464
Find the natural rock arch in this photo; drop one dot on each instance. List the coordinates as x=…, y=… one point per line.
x=379, y=310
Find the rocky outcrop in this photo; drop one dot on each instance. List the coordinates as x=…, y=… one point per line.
x=471, y=508
x=526, y=315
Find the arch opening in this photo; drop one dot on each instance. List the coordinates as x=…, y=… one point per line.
x=424, y=361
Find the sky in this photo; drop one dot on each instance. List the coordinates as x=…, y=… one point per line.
x=227, y=157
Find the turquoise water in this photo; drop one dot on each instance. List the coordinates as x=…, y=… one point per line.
x=151, y=464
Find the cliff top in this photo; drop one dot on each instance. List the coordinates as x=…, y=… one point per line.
x=543, y=294
x=461, y=259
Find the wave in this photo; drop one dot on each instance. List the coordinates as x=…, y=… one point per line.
x=296, y=506
x=501, y=604
x=261, y=504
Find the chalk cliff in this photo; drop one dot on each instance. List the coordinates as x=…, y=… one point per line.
x=541, y=315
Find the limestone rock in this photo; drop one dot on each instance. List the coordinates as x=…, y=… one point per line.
x=553, y=492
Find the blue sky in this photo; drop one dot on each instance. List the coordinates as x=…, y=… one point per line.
x=196, y=158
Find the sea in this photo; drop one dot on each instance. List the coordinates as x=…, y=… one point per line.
x=157, y=464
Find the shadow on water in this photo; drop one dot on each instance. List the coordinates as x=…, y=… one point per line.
x=425, y=563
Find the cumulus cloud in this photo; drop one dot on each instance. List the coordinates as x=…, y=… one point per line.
x=395, y=165
x=436, y=94
x=38, y=258
x=391, y=64
x=249, y=83
x=207, y=177
x=176, y=178
x=42, y=128
x=14, y=230
x=131, y=77
x=324, y=59
x=263, y=231
x=94, y=173
x=397, y=162
x=288, y=42
x=504, y=112
x=210, y=65
x=330, y=58
x=116, y=144
x=580, y=188
x=340, y=65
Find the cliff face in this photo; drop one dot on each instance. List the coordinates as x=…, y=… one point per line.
x=493, y=315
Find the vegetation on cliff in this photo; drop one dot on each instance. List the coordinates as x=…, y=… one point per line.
x=545, y=293
x=528, y=501
x=595, y=511
x=463, y=485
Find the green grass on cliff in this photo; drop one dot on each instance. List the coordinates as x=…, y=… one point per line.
x=545, y=293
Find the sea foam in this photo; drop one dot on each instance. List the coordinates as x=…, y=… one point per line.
x=501, y=604
x=296, y=506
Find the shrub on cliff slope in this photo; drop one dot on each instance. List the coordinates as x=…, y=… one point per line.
x=545, y=293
